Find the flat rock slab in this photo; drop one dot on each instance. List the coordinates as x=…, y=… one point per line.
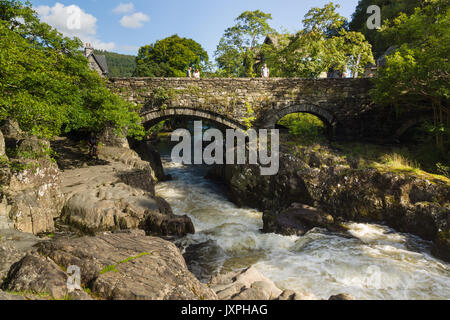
x=113, y=266
x=14, y=245
x=248, y=284
x=118, y=197
x=11, y=297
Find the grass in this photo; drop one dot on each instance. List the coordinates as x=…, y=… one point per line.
x=396, y=161
x=422, y=160
x=114, y=266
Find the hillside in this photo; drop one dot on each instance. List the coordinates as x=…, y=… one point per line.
x=120, y=65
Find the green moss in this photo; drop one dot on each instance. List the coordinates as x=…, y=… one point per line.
x=114, y=266
x=42, y=295
x=248, y=121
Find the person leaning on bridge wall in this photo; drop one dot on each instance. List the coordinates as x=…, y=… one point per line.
x=197, y=74
x=265, y=72
x=189, y=72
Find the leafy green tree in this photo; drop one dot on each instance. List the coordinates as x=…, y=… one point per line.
x=323, y=44
x=170, y=57
x=417, y=75
x=45, y=81
x=390, y=9
x=240, y=44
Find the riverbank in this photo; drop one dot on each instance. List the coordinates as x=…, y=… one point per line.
x=64, y=212
x=345, y=188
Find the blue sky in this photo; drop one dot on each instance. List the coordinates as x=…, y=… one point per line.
x=123, y=26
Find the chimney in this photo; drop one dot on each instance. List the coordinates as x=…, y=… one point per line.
x=88, y=50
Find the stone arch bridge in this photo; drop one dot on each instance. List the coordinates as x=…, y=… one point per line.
x=343, y=105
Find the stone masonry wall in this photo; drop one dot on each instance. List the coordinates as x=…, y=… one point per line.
x=343, y=104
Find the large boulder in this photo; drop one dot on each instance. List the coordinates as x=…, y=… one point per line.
x=298, y=219
x=113, y=266
x=110, y=138
x=14, y=245
x=35, y=198
x=39, y=275
x=250, y=284
x=30, y=195
x=149, y=153
x=33, y=193
x=441, y=248
x=118, y=196
x=11, y=133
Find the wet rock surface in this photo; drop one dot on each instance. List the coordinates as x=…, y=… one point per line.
x=249, y=284
x=298, y=219
x=113, y=266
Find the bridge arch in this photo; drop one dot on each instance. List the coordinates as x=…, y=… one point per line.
x=327, y=118
x=153, y=117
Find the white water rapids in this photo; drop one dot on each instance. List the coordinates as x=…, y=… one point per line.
x=376, y=263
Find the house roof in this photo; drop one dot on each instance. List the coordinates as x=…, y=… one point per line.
x=101, y=61
x=381, y=61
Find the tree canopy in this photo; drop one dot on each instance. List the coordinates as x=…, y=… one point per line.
x=170, y=57
x=324, y=44
x=390, y=9
x=237, y=49
x=45, y=81
x=417, y=75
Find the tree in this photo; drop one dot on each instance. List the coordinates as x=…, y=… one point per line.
x=390, y=9
x=417, y=75
x=240, y=44
x=323, y=44
x=170, y=57
x=45, y=81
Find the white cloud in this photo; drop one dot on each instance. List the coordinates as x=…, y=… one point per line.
x=134, y=21
x=124, y=8
x=72, y=21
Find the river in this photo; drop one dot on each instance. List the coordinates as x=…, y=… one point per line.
x=375, y=262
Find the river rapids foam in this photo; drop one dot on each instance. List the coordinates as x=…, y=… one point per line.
x=373, y=262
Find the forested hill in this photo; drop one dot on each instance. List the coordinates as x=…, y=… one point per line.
x=119, y=65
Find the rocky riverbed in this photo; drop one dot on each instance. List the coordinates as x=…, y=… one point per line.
x=105, y=217
x=99, y=215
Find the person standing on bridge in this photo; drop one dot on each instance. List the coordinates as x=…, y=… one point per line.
x=189, y=72
x=265, y=72
x=197, y=74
